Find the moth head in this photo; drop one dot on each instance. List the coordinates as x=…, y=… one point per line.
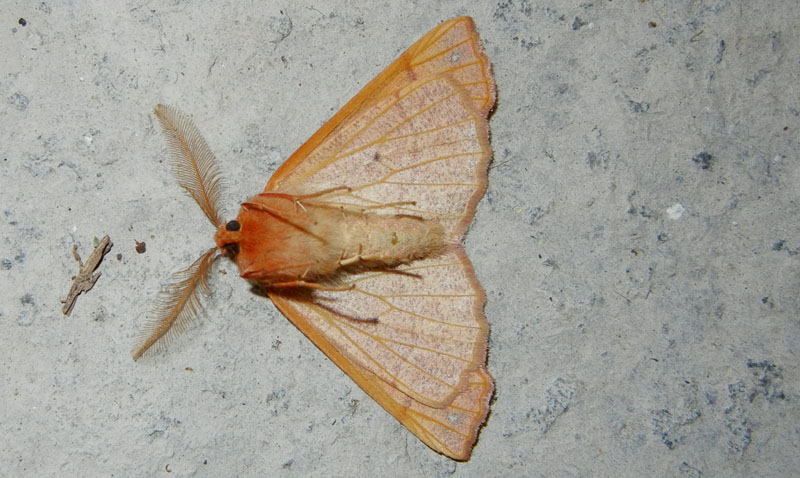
x=228, y=237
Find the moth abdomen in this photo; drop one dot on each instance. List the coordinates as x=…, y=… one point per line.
x=378, y=240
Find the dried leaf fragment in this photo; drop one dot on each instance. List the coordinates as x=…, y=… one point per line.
x=84, y=281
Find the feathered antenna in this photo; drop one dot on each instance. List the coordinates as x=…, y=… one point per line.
x=178, y=303
x=195, y=167
x=192, y=160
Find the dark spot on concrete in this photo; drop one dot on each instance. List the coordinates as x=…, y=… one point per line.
x=778, y=246
x=711, y=397
x=594, y=159
x=5, y=264
x=141, y=247
x=638, y=106
x=687, y=469
x=669, y=425
x=578, y=23
x=720, y=51
x=704, y=160
x=535, y=214
x=19, y=101
x=28, y=313
x=769, y=380
x=22, y=22
x=756, y=79
x=652, y=24
x=100, y=314
x=662, y=237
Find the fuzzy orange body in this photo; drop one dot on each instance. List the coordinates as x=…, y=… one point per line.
x=281, y=239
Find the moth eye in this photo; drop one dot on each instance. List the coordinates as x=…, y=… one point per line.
x=232, y=249
x=233, y=226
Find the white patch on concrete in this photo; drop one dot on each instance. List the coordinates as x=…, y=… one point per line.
x=675, y=211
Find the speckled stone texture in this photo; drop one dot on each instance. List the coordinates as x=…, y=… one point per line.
x=638, y=242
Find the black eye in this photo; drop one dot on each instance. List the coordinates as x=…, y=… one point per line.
x=231, y=249
x=233, y=226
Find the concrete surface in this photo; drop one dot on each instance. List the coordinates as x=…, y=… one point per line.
x=638, y=243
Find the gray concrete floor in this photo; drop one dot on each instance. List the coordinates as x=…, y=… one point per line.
x=638, y=242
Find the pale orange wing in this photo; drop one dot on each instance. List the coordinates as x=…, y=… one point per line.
x=418, y=132
x=450, y=430
x=424, y=114
x=430, y=331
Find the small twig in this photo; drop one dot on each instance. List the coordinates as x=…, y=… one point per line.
x=84, y=281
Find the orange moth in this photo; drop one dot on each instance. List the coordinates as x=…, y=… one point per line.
x=357, y=237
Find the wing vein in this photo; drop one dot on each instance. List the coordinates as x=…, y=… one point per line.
x=383, y=340
x=373, y=360
x=416, y=133
x=438, y=54
x=382, y=138
x=380, y=341
x=382, y=298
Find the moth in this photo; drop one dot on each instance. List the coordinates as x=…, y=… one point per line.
x=357, y=237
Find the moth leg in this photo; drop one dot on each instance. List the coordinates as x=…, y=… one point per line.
x=409, y=216
x=403, y=273
x=353, y=259
x=344, y=315
x=263, y=274
x=293, y=197
x=258, y=274
x=311, y=285
x=297, y=199
x=360, y=257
